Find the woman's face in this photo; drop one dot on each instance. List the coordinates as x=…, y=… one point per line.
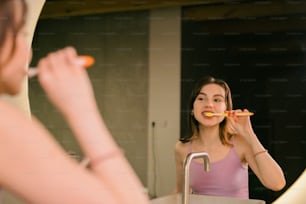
x=13, y=68
x=210, y=99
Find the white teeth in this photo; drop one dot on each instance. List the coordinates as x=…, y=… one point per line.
x=208, y=113
x=204, y=112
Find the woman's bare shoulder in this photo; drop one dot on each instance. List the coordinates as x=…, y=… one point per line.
x=241, y=146
x=10, y=112
x=181, y=148
x=241, y=141
x=181, y=145
x=14, y=121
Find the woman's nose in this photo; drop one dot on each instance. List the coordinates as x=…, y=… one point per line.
x=207, y=103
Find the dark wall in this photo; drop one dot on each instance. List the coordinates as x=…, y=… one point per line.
x=118, y=42
x=266, y=71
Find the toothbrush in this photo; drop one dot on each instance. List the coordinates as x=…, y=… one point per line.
x=84, y=61
x=210, y=114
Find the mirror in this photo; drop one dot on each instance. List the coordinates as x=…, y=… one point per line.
x=139, y=50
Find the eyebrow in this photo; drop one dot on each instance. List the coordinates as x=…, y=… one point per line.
x=220, y=95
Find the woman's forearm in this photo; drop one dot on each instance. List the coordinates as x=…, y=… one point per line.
x=269, y=171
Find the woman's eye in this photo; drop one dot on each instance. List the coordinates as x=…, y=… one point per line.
x=218, y=100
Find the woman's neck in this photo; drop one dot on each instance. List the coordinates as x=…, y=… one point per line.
x=209, y=136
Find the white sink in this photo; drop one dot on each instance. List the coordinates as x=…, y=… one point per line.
x=202, y=199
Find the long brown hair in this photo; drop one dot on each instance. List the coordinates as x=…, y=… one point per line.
x=194, y=124
x=8, y=22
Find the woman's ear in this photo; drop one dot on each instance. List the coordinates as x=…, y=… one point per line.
x=6, y=48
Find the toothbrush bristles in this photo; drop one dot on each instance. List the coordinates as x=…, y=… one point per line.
x=210, y=114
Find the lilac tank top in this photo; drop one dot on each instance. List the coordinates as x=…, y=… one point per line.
x=227, y=177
